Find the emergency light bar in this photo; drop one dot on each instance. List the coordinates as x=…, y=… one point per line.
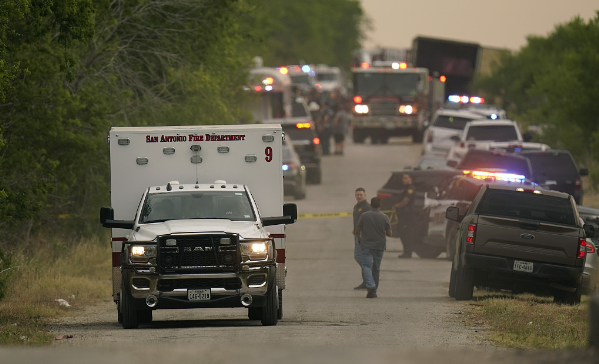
x=303, y=125
x=496, y=176
x=465, y=99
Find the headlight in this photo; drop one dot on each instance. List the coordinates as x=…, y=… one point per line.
x=141, y=253
x=407, y=109
x=361, y=109
x=255, y=250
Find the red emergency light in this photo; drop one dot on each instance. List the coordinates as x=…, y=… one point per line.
x=403, y=65
x=442, y=78
x=303, y=125
x=258, y=88
x=284, y=70
x=364, y=65
x=357, y=99
x=268, y=81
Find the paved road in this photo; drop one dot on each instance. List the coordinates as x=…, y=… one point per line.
x=413, y=320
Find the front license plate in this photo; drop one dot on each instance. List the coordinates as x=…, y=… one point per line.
x=198, y=294
x=523, y=266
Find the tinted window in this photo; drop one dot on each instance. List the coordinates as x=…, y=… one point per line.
x=526, y=205
x=511, y=164
x=551, y=165
x=451, y=122
x=498, y=133
x=298, y=134
x=301, y=79
x=298, y=110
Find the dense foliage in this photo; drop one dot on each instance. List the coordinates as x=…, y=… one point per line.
x=553, y=83
x=71, y=69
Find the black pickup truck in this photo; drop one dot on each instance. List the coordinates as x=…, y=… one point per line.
x=521, y=239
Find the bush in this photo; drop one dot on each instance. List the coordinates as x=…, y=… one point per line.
x=5, y=272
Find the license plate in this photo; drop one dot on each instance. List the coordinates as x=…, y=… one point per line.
x=523, y=266
x=198, y=294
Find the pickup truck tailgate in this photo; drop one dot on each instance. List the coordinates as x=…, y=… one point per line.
x=528, y=240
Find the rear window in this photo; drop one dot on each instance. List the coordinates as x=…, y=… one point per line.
x=298, y=134
x=498, y=133
x=526, y=205
x=551, y=165
x=510, y=164
x=451, y=122
x=298, y=110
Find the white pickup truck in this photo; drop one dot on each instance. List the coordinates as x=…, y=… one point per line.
x=198, y=220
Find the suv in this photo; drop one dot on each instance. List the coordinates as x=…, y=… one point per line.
x=556, y=170
x=521, y=239
x=302, y=131
x=479, y=134
x=446, y=124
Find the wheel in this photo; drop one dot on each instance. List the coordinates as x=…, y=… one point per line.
x=270, y=314
x=452, y=279
x=255, y=313
x=130, y=316
x=280, y=311
x=384, y=139
x=144, y=316
x=417, y=136
x=568, y=298
x=427, y=251
x=464, y=287
x=358, y=137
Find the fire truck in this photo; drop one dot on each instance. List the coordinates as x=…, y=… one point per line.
x=393, y=99
x=186, y=230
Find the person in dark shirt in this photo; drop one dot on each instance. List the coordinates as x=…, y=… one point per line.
x=404, y=211
x=372, y=231
x=361, y=206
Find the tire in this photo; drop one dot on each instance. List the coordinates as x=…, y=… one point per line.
x=144, y=316
x=426, y=251
x=270, y=314
x=452, y=279
x=118, y=310
x=255, y=313
x=280, y=310
x=464, y=287
x=568, y=298
x=358, y=137
x=130, y=315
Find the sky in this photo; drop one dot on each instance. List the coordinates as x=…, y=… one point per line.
x=497, y=23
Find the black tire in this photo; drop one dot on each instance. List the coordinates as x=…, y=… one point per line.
x=464, y=287
x=417, y=136
x=144, y=316
x=426, y=251
x=280, y=311
x=384, y=139
x=568, y=298
x=270, y=314
x=358, y=137
x=452, y=279
x=119, y=314
x=130, y=316
x=255, y=313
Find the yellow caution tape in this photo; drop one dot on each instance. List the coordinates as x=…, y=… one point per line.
x=330, y=214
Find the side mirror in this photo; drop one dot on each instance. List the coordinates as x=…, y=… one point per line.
x=289, y=216
x=527, y=137
x=453, y=213
x=455, y=138
x=107, y=220
x=583, y=172
x=290, y=209
x=452, y=163
x=589, y=230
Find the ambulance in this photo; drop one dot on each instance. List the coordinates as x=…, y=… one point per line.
x=198, y=220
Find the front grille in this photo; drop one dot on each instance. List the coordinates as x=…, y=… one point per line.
x=199, y=283
x=256, y=280
x=194, y=253
x=383, y=108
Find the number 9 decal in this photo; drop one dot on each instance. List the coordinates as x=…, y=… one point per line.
x=268, y=152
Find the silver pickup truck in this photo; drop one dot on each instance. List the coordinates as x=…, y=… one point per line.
x=521, y=239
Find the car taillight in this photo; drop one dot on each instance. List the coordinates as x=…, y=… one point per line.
x=471, y=234
x=316, y=141
x=578, y=184
x=590, y=248
x=582, y=248
x=383, y=196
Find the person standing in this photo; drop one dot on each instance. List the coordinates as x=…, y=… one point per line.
x=361, y=206
x=372, y=231
x=340, y=123
x=404, y=211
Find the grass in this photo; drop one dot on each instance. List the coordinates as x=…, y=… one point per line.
x=78, y=272
x=529, y=322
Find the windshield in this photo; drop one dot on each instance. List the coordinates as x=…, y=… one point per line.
x=498, y=133
x=386, y=84
x=451, y=122
x=552, y=165
x=525, y=205
x=326, y=77
x=302, y=79
x=298, y=110
x=159, y=207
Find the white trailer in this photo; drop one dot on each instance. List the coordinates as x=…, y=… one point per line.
x=198, y=251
